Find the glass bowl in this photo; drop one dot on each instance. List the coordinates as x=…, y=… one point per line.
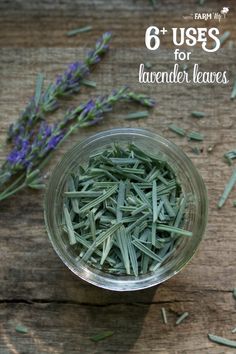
x=187, y=175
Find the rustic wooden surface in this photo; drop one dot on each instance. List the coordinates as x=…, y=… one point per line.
x=36, y=289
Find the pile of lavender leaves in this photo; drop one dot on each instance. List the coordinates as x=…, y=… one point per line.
x=33, y=139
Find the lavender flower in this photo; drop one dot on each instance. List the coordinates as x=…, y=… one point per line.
x=28, y=152
x=17, y=157
x=102, y=46
x=26, y=119
x=65, y=85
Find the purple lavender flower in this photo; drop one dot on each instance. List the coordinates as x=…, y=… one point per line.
x=25, y=121
x=88, y=107
x=69, y=82
x=28, y=153
x=46, y=130
x=53, y=142
x=94, y=56
x=17, y=157
x=45, y=140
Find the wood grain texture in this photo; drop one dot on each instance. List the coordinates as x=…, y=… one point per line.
x=60, y=311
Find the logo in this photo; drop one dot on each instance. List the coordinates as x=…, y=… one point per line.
x=209, y=15
x=224, y=11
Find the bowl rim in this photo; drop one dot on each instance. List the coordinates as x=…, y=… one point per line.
x=92, y=277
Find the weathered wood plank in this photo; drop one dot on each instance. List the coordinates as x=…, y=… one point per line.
x=35, y=285
x=31, y=249
x=138, y=328
x=44, y=24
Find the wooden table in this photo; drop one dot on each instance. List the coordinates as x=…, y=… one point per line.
x=37, y=290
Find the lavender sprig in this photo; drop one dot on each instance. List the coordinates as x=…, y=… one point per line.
x=140, y=98
x=65, y=85
x=32, y=152
x=92, y=111
x=70, y=82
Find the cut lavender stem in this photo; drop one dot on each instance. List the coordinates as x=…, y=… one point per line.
x=228, y=188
